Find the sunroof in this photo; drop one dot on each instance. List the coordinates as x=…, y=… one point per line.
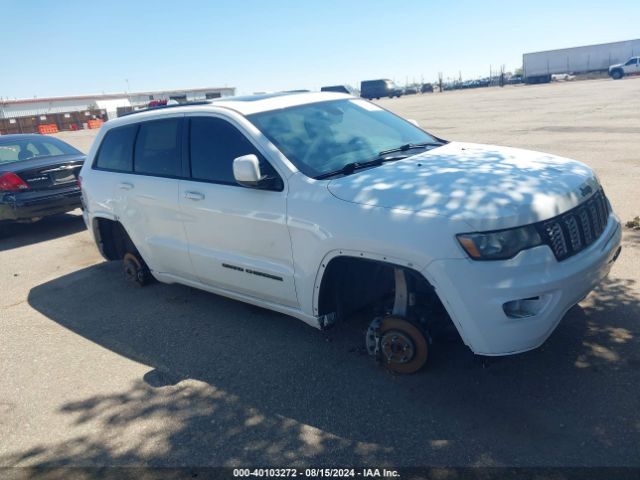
x=255, y=98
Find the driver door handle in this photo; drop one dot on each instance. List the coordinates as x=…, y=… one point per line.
x=125, y=186
x=194, y=196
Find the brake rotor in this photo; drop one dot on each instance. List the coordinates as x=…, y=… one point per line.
x=132, y=268
x=403, y=347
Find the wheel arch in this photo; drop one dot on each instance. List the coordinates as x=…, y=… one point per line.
x=112, y=238
x=335, y=263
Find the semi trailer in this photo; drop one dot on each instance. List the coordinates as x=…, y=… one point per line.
x=539, y=66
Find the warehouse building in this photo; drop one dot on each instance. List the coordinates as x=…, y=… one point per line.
x=73, y=113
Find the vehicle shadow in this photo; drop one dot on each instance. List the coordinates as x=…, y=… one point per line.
x=16, y=235
x=236, y=385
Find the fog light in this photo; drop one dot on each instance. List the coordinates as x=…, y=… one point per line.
x=523, y=308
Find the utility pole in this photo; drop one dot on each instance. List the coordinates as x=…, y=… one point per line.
x=128, y=90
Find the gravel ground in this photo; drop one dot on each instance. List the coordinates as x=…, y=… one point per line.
x=95, y=372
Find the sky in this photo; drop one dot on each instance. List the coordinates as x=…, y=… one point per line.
x=70, y=47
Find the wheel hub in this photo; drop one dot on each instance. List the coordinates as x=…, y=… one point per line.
x=130, y=270
x=398, y=343
x=397, y=347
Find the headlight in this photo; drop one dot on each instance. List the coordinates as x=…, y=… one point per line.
x=501, y=244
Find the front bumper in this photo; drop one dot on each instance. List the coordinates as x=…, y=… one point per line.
x=27, y=205
x=474, y=293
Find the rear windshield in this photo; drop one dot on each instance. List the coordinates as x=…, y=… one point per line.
x=26, y=148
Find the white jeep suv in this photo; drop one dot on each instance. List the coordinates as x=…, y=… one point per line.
x=320, y=204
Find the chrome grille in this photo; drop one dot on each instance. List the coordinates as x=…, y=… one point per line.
x=575, y=230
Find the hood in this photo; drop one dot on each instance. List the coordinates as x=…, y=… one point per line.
x=488, y=187
x=617, y=65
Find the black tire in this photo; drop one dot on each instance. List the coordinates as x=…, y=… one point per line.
x=617, y=74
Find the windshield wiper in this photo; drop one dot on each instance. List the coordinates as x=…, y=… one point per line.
x=382, y=157
x=410, y=146
x=349, y=168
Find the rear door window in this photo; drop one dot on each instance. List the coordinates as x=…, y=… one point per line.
x=116, y=150
x=158, y=149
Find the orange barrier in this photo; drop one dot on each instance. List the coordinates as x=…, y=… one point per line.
x=47, y=128
x=97, y=123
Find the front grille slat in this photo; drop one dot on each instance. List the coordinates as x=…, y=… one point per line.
x=554, y=230
x=602, y=210
x=595, y=218
x=573, y=231
x=574, y=234
x=586, y=226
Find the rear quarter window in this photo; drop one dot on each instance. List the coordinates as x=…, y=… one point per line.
x=116, y=150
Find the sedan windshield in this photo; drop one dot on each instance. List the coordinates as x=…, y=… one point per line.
x=14, y=150
x=320, y=138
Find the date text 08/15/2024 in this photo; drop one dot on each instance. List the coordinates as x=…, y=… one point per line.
x=316, y=472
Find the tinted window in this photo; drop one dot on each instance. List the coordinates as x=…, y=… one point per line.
x=158, y=148
x=336, y=88
x=116, y=150
x=214, y=144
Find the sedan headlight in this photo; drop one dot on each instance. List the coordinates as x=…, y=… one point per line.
x=500, y=244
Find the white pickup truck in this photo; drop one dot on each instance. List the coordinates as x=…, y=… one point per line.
x=630, y=67
x=316, y=205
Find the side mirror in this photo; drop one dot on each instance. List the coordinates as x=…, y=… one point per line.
x=414, y=122
x=246, y=170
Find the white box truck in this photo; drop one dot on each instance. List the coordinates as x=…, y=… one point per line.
x=539, y=66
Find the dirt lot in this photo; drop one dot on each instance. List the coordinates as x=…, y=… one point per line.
x=95, y=372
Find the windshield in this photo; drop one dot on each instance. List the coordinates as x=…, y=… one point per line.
x=14, y=150
x=323, y=137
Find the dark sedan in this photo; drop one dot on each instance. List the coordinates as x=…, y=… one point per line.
x=38, y=177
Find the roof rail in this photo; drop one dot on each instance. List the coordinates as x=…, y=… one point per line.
x=162, y=107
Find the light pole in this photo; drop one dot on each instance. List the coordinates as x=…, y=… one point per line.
x=128, y=90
